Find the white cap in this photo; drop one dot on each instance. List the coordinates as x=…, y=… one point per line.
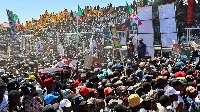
x=110, y=63
x=65, y=103
x=96, y=69
x=171, y=91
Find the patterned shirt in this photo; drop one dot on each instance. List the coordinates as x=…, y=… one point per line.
x=30, y=104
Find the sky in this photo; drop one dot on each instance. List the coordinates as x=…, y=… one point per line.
x=28, y=9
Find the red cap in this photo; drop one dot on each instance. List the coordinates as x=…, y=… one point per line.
x=179, y=74
x=60, y=59
x=76, y=83
x=84, y=90
x=48, y=81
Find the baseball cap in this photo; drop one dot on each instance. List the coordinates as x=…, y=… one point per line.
x=65, y=103
x=48, y=81
x=110, y=63
x=78, y=100
x=84, y=90
x=66, y=92
x=32, y=77
x=49, y=98
x=171, y=91
x=134, y=100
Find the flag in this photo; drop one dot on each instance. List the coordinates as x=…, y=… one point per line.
x=79, y=12
x=135, y=19
x=190, y=11
x=15, y=17
x=129, y=9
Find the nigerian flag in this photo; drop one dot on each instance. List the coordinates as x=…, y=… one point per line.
x=79, y=12
x=129, y=9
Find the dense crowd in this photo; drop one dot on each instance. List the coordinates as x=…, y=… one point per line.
x=159, y=84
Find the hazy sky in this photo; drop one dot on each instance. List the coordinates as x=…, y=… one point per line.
x=28, y=9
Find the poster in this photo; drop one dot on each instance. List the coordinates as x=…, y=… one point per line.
x=144, y=13
x=146, y=27
x=166, y=11
x=168, y=25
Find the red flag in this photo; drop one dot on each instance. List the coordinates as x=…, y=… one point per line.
x=190, y=11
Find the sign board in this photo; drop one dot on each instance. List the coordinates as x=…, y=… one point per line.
x=88, y=61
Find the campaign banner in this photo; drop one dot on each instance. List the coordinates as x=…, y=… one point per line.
x=144, y=13
x=166, y=11
x=146, y=27
x=168, y=25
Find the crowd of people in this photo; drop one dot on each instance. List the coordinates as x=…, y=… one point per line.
x=122, y=85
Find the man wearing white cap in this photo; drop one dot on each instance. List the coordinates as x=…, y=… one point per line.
x=65, y=106
x=110, y=64
x=173, y=94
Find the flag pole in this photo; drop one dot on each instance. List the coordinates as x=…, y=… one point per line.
x=77, y=31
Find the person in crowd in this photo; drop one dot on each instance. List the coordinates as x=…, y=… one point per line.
x=30, y=104
x=14, y=104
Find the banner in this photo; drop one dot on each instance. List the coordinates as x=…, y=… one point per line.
x=60, y=49
x=166, y=11
x=169, y=39
x=146, y=27
x=168, y=25
x=190, y=11
x=39, y=46
x=144, y=13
